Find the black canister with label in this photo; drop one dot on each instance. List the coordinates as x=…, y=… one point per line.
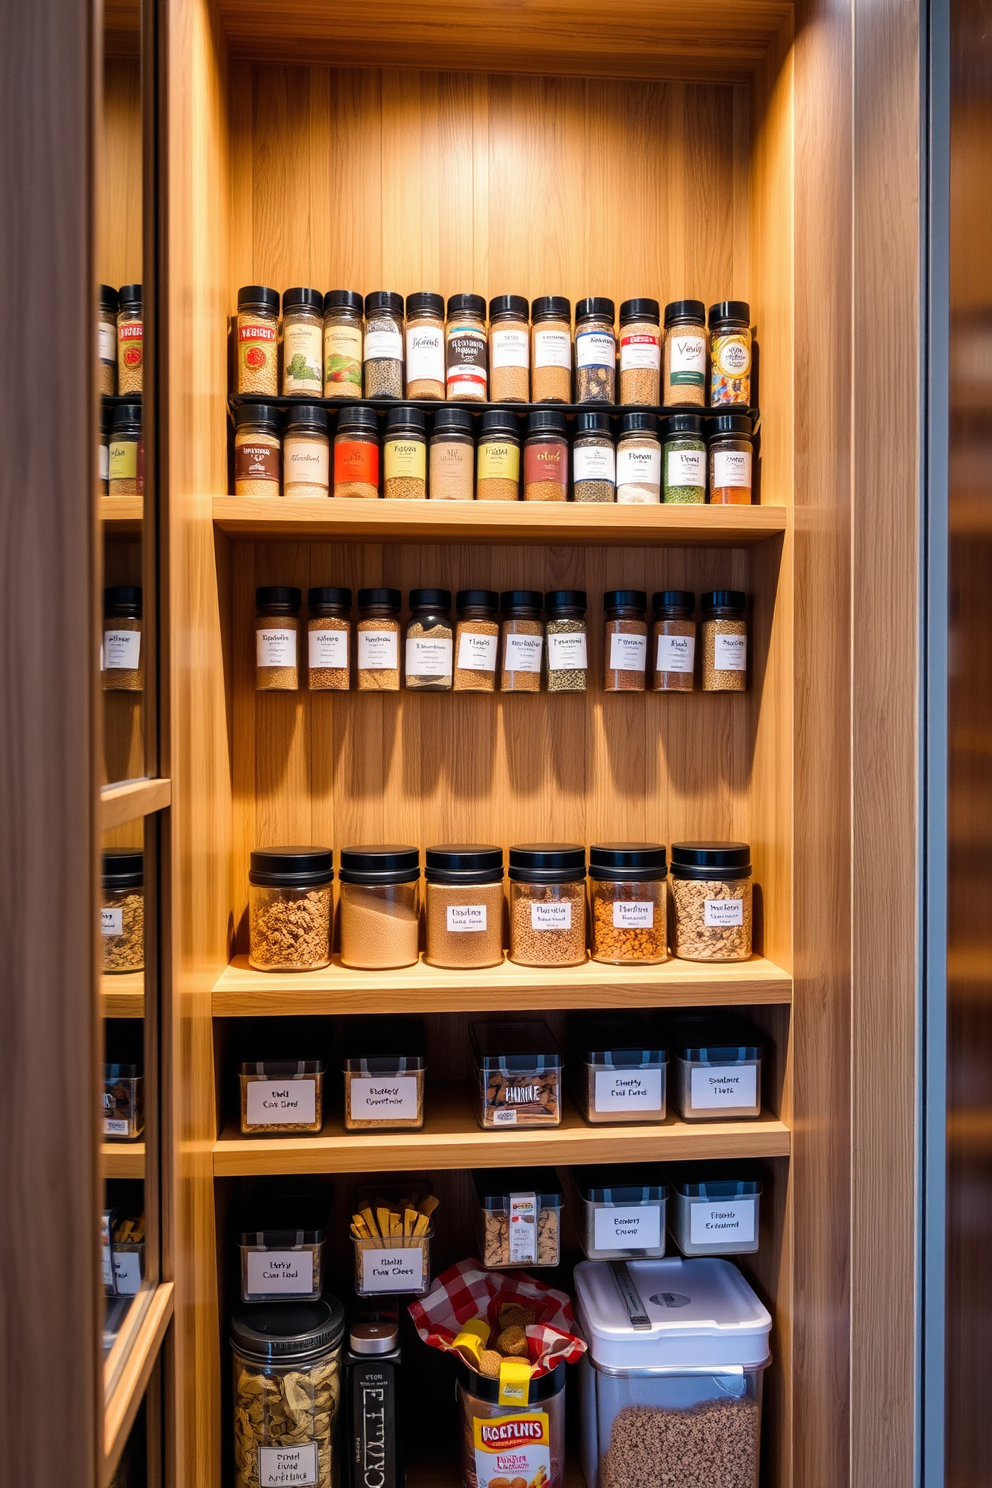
x=372, y=1370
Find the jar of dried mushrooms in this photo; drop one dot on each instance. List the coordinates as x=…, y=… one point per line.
x=130, y=340
x=277, y=627
x=303, y=343
x=428, y=653
x=306, y=452
x=380, y=907
x=674, y=640
x=551, y=316
x=425, y=346
x=122, y=662
x=383, y=345
x=464, y=906
x=257, y=340
x=509, y=349
x=404, y=452
x=640, y=352
x=724, y=641
x=476, y=640
x=289, y=908
x=595, y=351
x=711, y=901
x=122, y=911
x=257, y=450
x=329, y=639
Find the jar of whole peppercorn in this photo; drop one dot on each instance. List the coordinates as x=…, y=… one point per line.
x=257, y=333
x=356, y=454
x=383, y=349
x=730, y=353
x=595, y=351
x=551, y=317
x=629, y=921
x=730, y=458
x=546, y=457
x=674, y=640
x=626, y=640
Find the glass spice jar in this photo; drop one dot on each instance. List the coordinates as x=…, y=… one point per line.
x=638, y=460
x=306, y=452
x=523, y=641
x=425, y=346
x=277, y=626
x=429, y=647
x=731, y=460
x=476, y=640
x=404, y=455
x=640, y=352
x=674, y=641
x=122, y=911
x=452, y=468
x=684, y=463
x=107, y=339
x=595, y=351
x=685, y=353
x=724, y=641
x=343, y=343
x=356, y=454
x=498, y=457
x=465, y=349
x=629, y=922
x=730, y=353
x=548, y=904
x=626, y=640
x=125, y=462
x=378, y=640
x=257, y=450
x=712, y=910
x=594, y=460
x=464, y=907
x=103, y=463
x=130, y=340
x=509, y=349
x=289, y=908
x=380, y=907
x=551, y=336
x=302, y=343
x=383, y=345
x=257, y=336
x=121, y=659
x=328, y=639
x=566, y=648
x=546, y=456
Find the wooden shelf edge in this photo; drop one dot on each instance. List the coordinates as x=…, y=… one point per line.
x=130, y=1384
x=122, y=516
x=123, y=1159
x=123, y=995
x=130, y=800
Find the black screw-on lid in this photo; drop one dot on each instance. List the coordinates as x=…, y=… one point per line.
x=327, y=600
x=594, y=307
x=127, y=415
x=452, y=420
x=123, y=870
x=343, y=299
x=287, y=1331
x=357, y=418
x=639, y=310
x=430, y=599
x=732, y=423
x=122, y=601
x=499, y=421
x=547, y=862
x=379, y=865
x=592, y=423
x=639, y=423
x=627, y=861
x=514, y=305
x=384, y=299
x=109, y=298
x=278, y=599
x=302, y=299
x=684, y=423
x=513, y=600
x=256, y=297
x=403, y=417
x=471, y=304
x=723, y=599
x=626, y=599
x=306, y=416
x=454, y=864
x=565, y=601
x=291, y=867
x=424, y=302
x=476, y=599
x=711, y=859
x=546, y=418
x=730, y=310
x=674, y=604
x=388, y=598
x=685, y=310
x=265, y=414
x=551, y=307
x=130, y=295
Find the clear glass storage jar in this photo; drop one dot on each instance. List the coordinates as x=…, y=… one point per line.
x=638, y=460
x=674, y=640
x=452, y=461
x=731, y=459
x=303, y=343
x=498, y=457
x=684, y=462
x=122, y=910
x=730, y=353
x=518, y=1217
x=329, y=639
x=546, y=456
x=464, y=906
x=289, y=908
x=378, y=640
x=551, y=336
x=126, y=452
x=711, y=901
x=398, y=1264
x=383, y=349
x=640, y=352
x=476, y=640
x=385, y=1066
x=548, y=904
x=282, y=1264
x=107, y=339
x=281, y=1096
x=566, y=648
x=619, y=1069
x=404, y=455
x=306, y=452
x=130, y=341
x=257, y=450
x=523, y=640
x=623, y=1212
x=509, y=349
x=685, y=354
x=714, y=1208
x=356, y=454
x=429, y=649
x=344, y=327
x=629, y=922
x=724, y=640
x=277, y=634
x=716, y=1068
x=425, y=346
x=257, y=341
x=625, y=644
x=594, y=459
x=531, y=1450
x=517, y=1075
x=122, y=663
x=465, y=355
x=595, y=351
x=379, y=911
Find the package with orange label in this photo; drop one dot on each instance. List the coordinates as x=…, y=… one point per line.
x=512, y=1448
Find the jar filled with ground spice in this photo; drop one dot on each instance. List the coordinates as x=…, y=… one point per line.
x=674, y=641
x=107, y=339
x=343, y=343
x=425, y=346
x=328, y=639
x=730, y=353
x=452, y=471
x=629, y=924
x=548, y=904
x=498, y=457
x=712, y=911
x=103, y=463
x=404, y=455
x=466, y=360
x=289, y=908
x=594, y=460
x=551, y=337
x=306, y=452
x=566, y=647
x=257, y=450
x=303, y=343
x=464, y=906
x=378, y=640
x=523, y=641
x=257, y=339
x=121, y=659
x=509, y=349
x=626, y=640
x=130, y=340
x=277, y=628
x=126, y=463
x=380, y=907
x=640, y=352
x=476, y=640
x=638, y=460
x=595, y=351
x=546, y=456
x=122, y=911
x=730, y=459
x=383, y=345
x=724, y=641
x=429, y=641
x=356, y=454
x=685, y=353
x=684, y=463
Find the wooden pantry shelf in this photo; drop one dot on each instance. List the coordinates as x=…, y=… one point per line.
x=121, y=516
x=123, y=1159
x=130, y=800
x=241, y=992
x=123, y=995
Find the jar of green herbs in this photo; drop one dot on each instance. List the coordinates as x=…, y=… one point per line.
x=684, y=460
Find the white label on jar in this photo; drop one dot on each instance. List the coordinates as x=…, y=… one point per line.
x=723, y=912
x=628, y=653
x=103, y=464
x=477, y=653
x=688, y=354
x=730, y=653
x=121, y=650
x=377, y=651
x=630, y=914
x=302, y=354
x=523, y=1227
x=507, y=1116
x=595, y=349
x=676, y=653
x=640, y=465
x=639, y=350
x=628, y=1090
x=425, y=354
x=307, y=460
x=721, y=1223
x=116, y=1126
x=509, y=346
x=279, y=1273
x=380, y=345
x=280, y=1467
x=567, y=652
x=522, y=653
x=388, y=1098
x=713, y=1086
x=127, y=1272
x=551, y=915
x=687, y=467
x=328, y=648
x=732, y=468
x=427, y=658
x=275, y=648
x=399, y=1270
x=281, y=1102
x=108, y=342
x=111, y=922
x=594, y=462
x=627, y=1227
x=552, y=348
x=463, y=919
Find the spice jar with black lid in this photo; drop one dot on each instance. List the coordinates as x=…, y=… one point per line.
x=356, y=454
x=509, y=349
x=289, y=908
x=103, y=465
x=380, y=907
x=638, y=460
x=546, y=456
x=464, y=906
x=425, y=345
x=640, y=352
x=476, y=640
x=328, y=639
x=257, y=338
x=684, y=463
x=121, y=658
x=122, y=911
x=711, y=901
x=126, y=454
x=302, y=342
x=685, y=353
x=343, y=343
x=383, y=345
x=566, y=649
x=404, y=454
x=551, y=318
x=378, y=640
x=595, y=351
x=523, y=640
x=548, y=904
x=498, y=457
x=465, y=349
x=277, y=625
x=107, y=339
x=306, y=452
x=429, y=648
x=629, y=925
x=594, y=460
x=375, y=1393
x=724, y=641
x=130, y=340
x=626, y=640
x=674, y=641
x=257, y=450
x=452, y=467
x=730, y=459
x=730, y=353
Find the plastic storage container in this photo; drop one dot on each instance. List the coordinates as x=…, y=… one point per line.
x=380, y=907
x=505, y=1445
x=127, y=1246
x=517, y=1075
x=282, y=1095
x=629, y=920
x=282, y=1263
x=385, y=1065
x=123, y=1102
x=620, y=1070
x=714, y=1209
x=401, y=1264
x=289, y=908
x=716, y=1069
x=623, y=1212
x=519, y=1217
x=464, y=906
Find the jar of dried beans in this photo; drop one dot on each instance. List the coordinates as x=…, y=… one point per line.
x=303, y=343
x=730, y=460
x=452, y=456
x=674, y=640
x=425, y=346
x=343, y=343
x=724, y=641
x=257, y=450
x=429, y=650
x=628, y=903
x=356, y=454
x=595, y=351
x=625, y=647
x=130, y=340
x=378, y=640
x=594, y=460
x=380, y=907
x=685, y=353
x=476, y=640
x=566, y=645
x=551, y=338
x=548, y=904
x=546, y=457
x=638, y=460
x=277, y=626
x=509, y=349
x=289, y=908
x=640, y=352
x=711, y=901
x=404, y=455
x=107, y=339
x=517, y=1075
x=329, y=639
x=122, y=911
x=685, y=460
x=466, y=360
x=306, y=452
x=257, y=340
x=523, y=640
x=498, y=457
x=122, y=662
x=464, y=906
x=126, y=454
x=730, y=353
x=383, y=345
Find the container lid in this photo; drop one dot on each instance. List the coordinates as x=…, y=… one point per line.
x=565, y=601
x=499, y=421
x=643, y=1183
x=616, y=1041
x=306, y=415
x=454, y=864
x=123, y=869
x=595, y=307
x=271, y=1331
x=723, y=599
x=471, y=304
x=732, y=423
x=508, y=304
x=118, y=1071
x=264, y=414
x=677, y=603
x=520, y=599
x=282, y=1069
x=257, y=296
x=699, y=1312
x=547, y=418
x=425, y=302
x=730, y=310
x=545, y=1387
x=383, y=1335
x=385, y=1046
x=109, y=299
x=291, y=867
x=515, y=1048
x=493, y=1186
x=127, y=414
x=639, y=310
x=476, y=599
x=625, y=599
x=685, y=310
x=592, y=423
x=452, y=420
x=405, y=417
x=123, y=601
x=302, y=299
x=328, y=598
x=357, y=418
x=711, y=859
x=627, y=861
x=714, y=1180
x=547, y=862
x=716, y=1039
x=130, y=294
x=281, y=598
x=551, y=307
x=430, y=599
x=638, y=423
x=106, y=419
x=384, y=299
x=379, y=865
x=684, y=423
x=282, y=1239
x=343, y=299
x=388, y=598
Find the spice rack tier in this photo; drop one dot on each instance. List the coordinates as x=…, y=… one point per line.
x=478, y=408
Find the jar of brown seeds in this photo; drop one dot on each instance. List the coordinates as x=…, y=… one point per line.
x=724, y=641
x=329, y=639
x=548, y=904
x=277, y=626
x=712, y=909
x=476, y=640
x=640, y=352
x=289, y=908
x=674, y=641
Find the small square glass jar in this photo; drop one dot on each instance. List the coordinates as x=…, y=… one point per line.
x=379, y=908
x=548, y=904
x=464, y=906
x=619, y=1070
x=517, y=1075
x=385, y=1067
x=519, y=1217
x=282, y=1095
x=397, y=1264
x=289, y=908
x=714, y=1208
x=623, y=1212
x=629, y=920
x=123, y=1102
x=282, y=1264
x=716, y=1069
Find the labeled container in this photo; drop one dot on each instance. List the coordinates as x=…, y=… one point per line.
x=404, y=450
x=625, y=647
x=385, y=1066
x=731, y=458
x=685, y=354
x=566, y=650
x=674, y=641
x=595, y=351
x=548, y=904
x=281, y=1095
x=551, y=344
x=383, y=346
x=640, y=352
x=125, y=453
x=282, y=1263
x=399, y=1265
x=277, y=630
x=127, y=1247
x=107, y=339
x=464, y=906
x=730, y=353
x=684, y=462
x=714, y=1208
x=509, y=349
x=123, y=1102
x=344, y=324
x=122, y=911
x=289, y=908
x=120, y=656
x=716, y=1068
x=466, y=360
x=504, y=1445
x=476, y=640
x=425, y=346
x=623, y=1212
x=711, y=901
x=374, y=1386
x=379, y=911
x=519, y=1217
x=629, y=919
x=546, y=456
x=256, y=334
x=130, y=340
x=620, y=1070
x=328, y=639
x=638, y=461
x=594, y=459
x=257, y=450
x=103, y=451
x=303, y=343
x=429, y=650
x=517, y=1075
x=356, y=454
x=306, y=452
x=378, y=640
x=724, y=640
x=497, y=460
x=452, y=459
x=523, y=640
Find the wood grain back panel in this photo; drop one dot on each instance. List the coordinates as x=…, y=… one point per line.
x=119, y=227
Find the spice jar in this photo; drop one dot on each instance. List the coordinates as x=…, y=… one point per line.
x=107, y=339
x=429, y=648
x=379, y=640
x=303, y=342
x=619, y=1072
x=257, y=331
x=425, y=346
x=626, y=640
x=356, y=454
x=685, y=460
x=594, y=460
x=328, y=639
x=546, y=457
x=306, y=452
x=638, y=460
x=685, y=353
x=640, y=352
x=385, y=1064
x=730, y=353
x=343, y=343
x=548, y=904
x=380, y=907
x=121, y=661
x=464, y=906
x=126, y=463
x=552, y=345
x=724, y=641
x=567, y=655
x=509, y=349
x=523, y=641
x=289, y=908
x=130, y=340
x=122, y=911
x=595, y=351
x=711, y=901
x=466, y=359
x=628, y=903
x=277, y=625
x=498, y=457
x=257, y=450
x=517, y=1075
x=383, y=345
x=674, y=641
x=730, y=460
x=103, y=463
x=405, y=455
x=476, y=640
x=287, y=1392
x=452, y=456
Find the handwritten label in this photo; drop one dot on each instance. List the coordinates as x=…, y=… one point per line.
x=279, y=1273
x=462, y=919
x=723, y=913
x=722, y=1223
x=732, y=1086
x=280, y=1466
x=551, y=915
x=387, y=1099
x=627, y=1227
x=628, y=1090
x=477, y=653
x=281, y=1102
x=275, y=648
x=111, y=922
x=676, y=653
x=730, y=653
x=396, y=1270
x=628, y=653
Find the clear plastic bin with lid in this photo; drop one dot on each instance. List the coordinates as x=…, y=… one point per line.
x=716, y=1068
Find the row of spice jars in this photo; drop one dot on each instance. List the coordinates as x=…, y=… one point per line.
x=680, y=463
x=120, y=340
x=290, y=905
x=337, y=345
x=121, y=465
